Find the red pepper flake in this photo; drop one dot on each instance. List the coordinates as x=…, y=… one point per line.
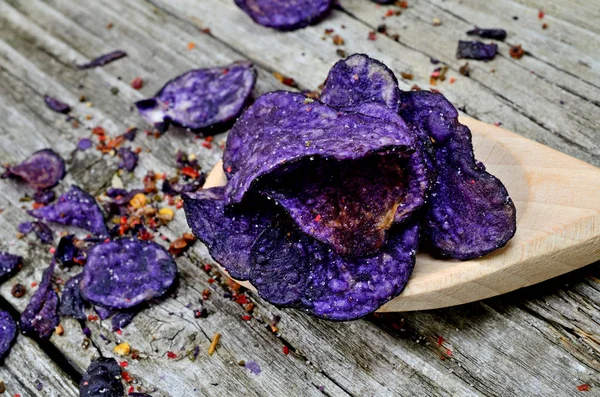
x=541, y=14
x=191, y=45
x=34, y=284
x=52, y=250
x=389, y=13
x=372, y=36
x=98, y=130
x=207, y=267
x=130, y=390
x=285, y=80
x=205, y=294
x=449, y=352
x=124, y=364
x=137, y=83
x=402, y=4
x=516, y=51
x=544, y=26
x=119, y=332
x=37, y=205
x=241, y=299
x=189, y=171
x=318, y=218
x=440, y=340
x=228, y=170
x=92, y=317
x=583, y=387
x=246, y=317
x=338, y=40
x=126, y=377
x=209, y=138
x=207, y=145
x=171, y=355
x=286, y=350
x=211, y=280
x=452, y=80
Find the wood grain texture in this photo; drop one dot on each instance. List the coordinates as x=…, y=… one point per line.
x=542, y=340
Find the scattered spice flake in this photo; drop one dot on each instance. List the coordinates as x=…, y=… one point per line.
x=372, y=36
x=246, y=317
x=286, y=350
x=137, y=83
x=440, y=340
x=18, y=290
x=382, y=28
x=122, y=349
x=583, y=387
x=516, y=51
x=109, y=25
x=341, y=53
x=191, y=45
x=402, y=4
x=338, y=40
x=126, y=377
x=452, y=80
x=464, y=69
x=171, y=355
x=406, y=75
x=285, y=80
x=103, y=60
x=59, y=330
x=253, y=367
x=436, y=22
x=213, y=344
x=544, y=26
x=541, y=14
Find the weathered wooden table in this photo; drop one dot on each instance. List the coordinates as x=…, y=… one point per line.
x=543, y=340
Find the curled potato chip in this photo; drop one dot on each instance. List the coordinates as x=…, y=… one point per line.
x=43, y=170
x=8, y=333
x=102, y=379
x=469, y=210
x=124, y=273
x=40, y=317
x=285, y=14
x=201, y=98
x=74, y=208
x=9, y=265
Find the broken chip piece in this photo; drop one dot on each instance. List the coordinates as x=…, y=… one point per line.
x=102, y=379
x=8, y=333
x=42, y=170
x=124, y=273
x=129, y=159
x=74, y=208
x=71, y=303
x=103, y=60
x=9, y=265
x=361, y=79
x=469, y=210
x=68, y=253
x=494, y=34
x=40, y=317
x=476, y=50
x=285, y=14
x=56, y=105
x=121, y=319
x=201, y=98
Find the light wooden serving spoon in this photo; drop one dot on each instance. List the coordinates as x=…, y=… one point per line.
x=558, y=225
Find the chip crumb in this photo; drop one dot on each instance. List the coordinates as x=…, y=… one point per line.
x=213, y=344
x=436, y=22
x=59, y=330
x=122, y=349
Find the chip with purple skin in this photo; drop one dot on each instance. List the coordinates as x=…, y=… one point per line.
x=122, y=319
x=103, y=60
x=44, y=196
x=102, y=379
x=124, y=273
x=56, y=105
x=129, y=159
x=74, y=208
x=360, y=79
x=71, y=303
x=103, y=312
x=42, y=170
x=285, y=14
x=8, y=333
x=43, y=232
x=469, y=211
x=494, y=34
x=9, y=265
x=476, y=50
x=40, y=317
x=201, y=98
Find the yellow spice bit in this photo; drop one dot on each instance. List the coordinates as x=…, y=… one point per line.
x=214, y=343
x=123, y=349
x=59, y=330
x=166, y=214
x=138, y=201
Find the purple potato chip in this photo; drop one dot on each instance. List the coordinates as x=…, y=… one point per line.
x=124, y=273
x=495, y=34
x=201, y=98
x=102, y=379
x=43, y=170
x=43, y=232
x=469, y=211
x=285, y=14
x=71, y=303
x=103, y=312
x=56, y=105
x=122, y=319
x=103, y=59
x=40, y=317
x=129, y=159
x=346, y=289
x=279, y=266
x=229, y=243
x=44, y=196
x=476, y=50
x=9, y=265
x=84, y=144
x=74, y=208
x=360, y=79
x=284, y=127
x=26, y=227
x=130, y=134
x=8, y=333
x=67, y=253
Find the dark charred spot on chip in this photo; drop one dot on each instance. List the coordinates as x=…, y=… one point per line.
x=228, y=236
x=476, y=50
x=129, y=159
x=74, y=208
x=8, y=333
x=124, y=273
x=494, y=34
x=201, y=99
x=40, y=317
x=285, y=15
x=469, y=211
x=71, y=303
x=103, y=59
x=122, y=319
x=349, y=288
x=56, y=105
x=360, y=79
x=102, y=379
x=9, y=265
x=43, y=170
x=279, y=266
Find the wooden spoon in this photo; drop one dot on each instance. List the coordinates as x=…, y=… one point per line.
x=558, y=225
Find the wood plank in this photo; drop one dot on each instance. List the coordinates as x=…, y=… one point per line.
x=395, y=362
